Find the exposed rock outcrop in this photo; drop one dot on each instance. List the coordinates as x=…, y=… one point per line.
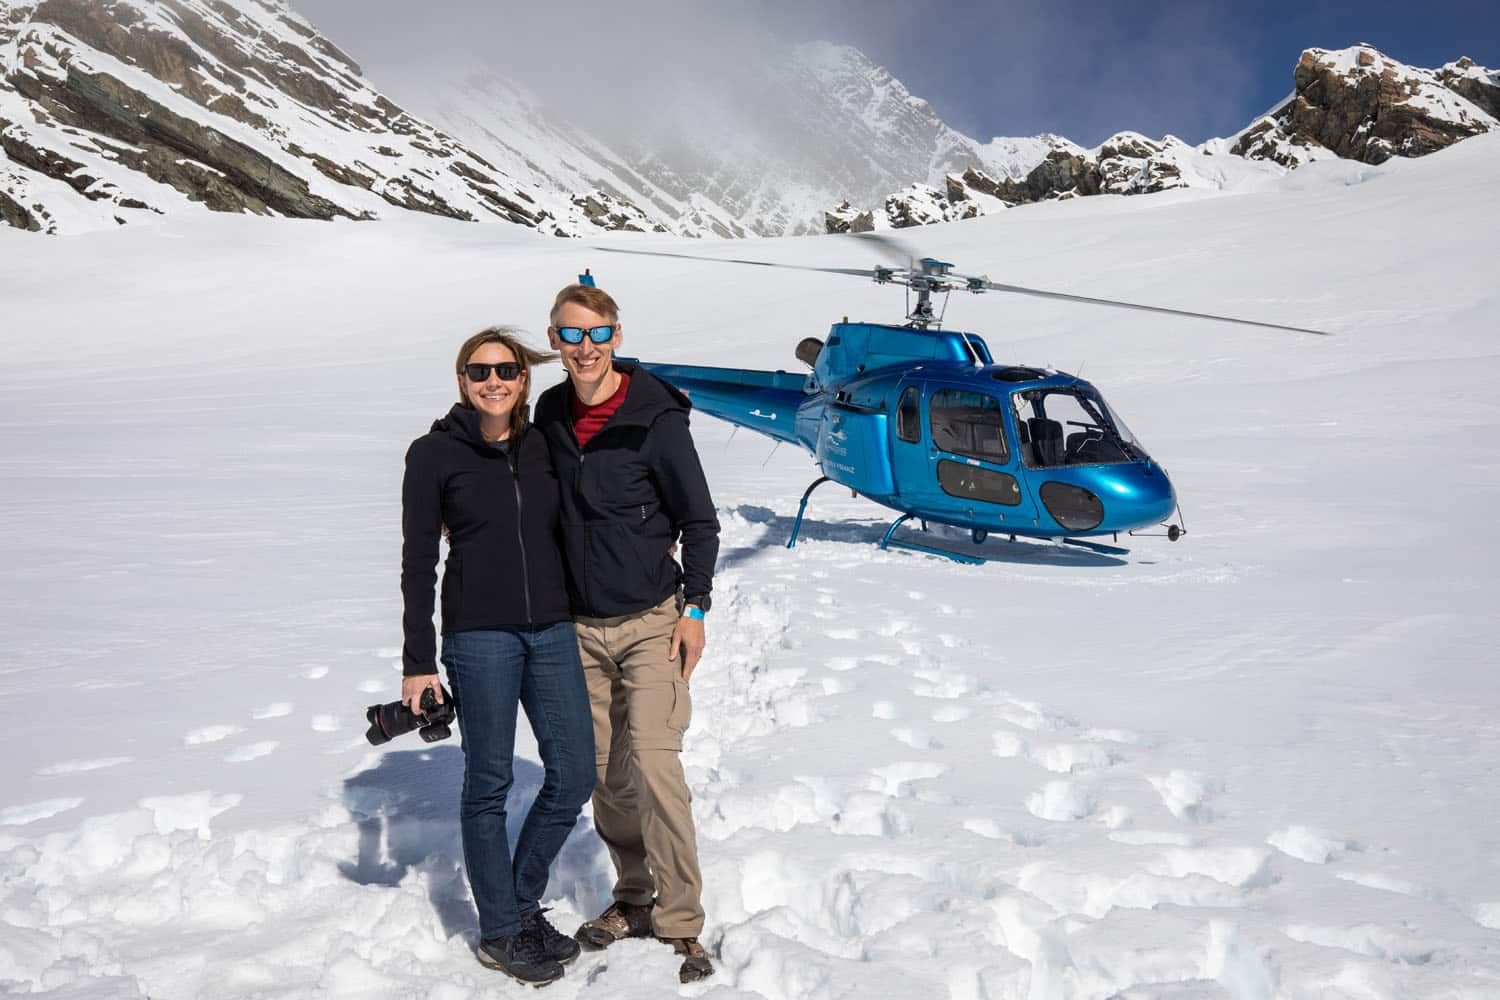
x=608, y=211
x=1360, y=104
x=844, y=218
x=1479, y=85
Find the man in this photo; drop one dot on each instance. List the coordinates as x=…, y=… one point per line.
x=631, y=486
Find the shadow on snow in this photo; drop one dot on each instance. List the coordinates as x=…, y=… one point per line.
x=997, y=549
x=406, y=809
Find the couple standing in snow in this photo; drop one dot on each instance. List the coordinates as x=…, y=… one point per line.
x=560, y=595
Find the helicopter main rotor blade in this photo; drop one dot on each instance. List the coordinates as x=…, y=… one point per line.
x=903, y=253
x=856, y=272
x=1087, y=300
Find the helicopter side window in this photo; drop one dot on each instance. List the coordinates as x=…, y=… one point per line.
x=908, y=422
x=969, y=423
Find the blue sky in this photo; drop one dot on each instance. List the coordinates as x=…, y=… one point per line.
x=1080, y=69
x=1086, y=70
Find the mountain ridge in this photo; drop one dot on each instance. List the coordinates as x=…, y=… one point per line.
x=120, y=111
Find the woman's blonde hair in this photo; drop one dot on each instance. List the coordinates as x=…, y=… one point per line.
x=509, y=338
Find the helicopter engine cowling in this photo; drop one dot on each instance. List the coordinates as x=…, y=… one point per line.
x=853, y=450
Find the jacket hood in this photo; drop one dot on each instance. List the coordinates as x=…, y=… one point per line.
x=462, y=422
x=647, y=399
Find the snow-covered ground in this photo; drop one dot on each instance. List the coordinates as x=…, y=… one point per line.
x=1256, y=763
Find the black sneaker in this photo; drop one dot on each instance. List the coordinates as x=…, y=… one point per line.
x=554, y=944
x=520, y=957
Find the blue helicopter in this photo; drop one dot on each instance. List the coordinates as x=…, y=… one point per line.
x=922, y=420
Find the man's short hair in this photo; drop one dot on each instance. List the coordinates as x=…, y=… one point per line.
x=591, y=298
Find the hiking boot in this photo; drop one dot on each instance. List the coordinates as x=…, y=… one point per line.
x=520, y=957
x=695, y=963
x=619, y=921
x=554, y=943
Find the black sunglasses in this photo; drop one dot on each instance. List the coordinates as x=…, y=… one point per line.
x=575, y=334
x=508, y=371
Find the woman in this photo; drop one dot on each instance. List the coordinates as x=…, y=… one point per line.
x=508, y=639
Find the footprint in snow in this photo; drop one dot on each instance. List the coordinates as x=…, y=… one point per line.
x=371, y=686
x=916, y=739
x=1369, y=940
x=1306, y=844
x=275, y=710
x=34, y=811
x=1186, y=795
x=951, y=713
x=1069, y=758
x=315, y=672
x=252, y=751
x=1061, y=802
x=325, y=723
x=885, y=710
x=1381, y=881
x=843, y=634
x=80, y=766
x=842, y=663
x=990, y=830
x=209, y=734
x=941, y=684
x=893, y=779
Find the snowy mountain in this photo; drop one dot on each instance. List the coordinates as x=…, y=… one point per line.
x=762, y=154
x=114, y=111
x=1354, y=103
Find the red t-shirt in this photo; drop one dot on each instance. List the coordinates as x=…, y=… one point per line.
x=589, y=420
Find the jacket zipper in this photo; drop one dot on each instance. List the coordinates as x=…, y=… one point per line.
x=588, y=541
x=515, y=476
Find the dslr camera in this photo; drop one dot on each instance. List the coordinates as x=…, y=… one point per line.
x=394, y=719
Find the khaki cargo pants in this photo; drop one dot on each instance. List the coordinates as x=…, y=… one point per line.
x=642, y=806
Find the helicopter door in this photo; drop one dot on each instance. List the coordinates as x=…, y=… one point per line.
x=909, y=459
x=973, y=472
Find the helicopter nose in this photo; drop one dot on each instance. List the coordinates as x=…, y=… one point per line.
x=1134, y=496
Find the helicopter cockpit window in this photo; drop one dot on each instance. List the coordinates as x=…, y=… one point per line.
x=969, y=423
x=908, y=421
x=1071, y=427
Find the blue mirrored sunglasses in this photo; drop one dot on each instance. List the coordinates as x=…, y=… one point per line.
x=575, y=334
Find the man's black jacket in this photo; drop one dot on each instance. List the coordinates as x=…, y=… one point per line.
x=500, y=507
x=628, y=496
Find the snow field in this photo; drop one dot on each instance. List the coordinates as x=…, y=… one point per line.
x=1250, y=765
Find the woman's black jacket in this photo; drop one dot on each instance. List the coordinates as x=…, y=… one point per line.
x=499, y=503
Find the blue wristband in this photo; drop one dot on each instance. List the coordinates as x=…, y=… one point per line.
x=694, y=612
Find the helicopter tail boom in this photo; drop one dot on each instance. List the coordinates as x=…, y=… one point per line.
x=761, y=401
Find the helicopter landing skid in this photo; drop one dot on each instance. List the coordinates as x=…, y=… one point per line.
x=802, y=509
x=889, y=542
x=1108, y=550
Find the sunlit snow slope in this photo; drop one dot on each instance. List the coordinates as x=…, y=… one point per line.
x=1258, y=763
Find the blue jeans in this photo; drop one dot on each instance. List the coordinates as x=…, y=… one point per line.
x=491, y=672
